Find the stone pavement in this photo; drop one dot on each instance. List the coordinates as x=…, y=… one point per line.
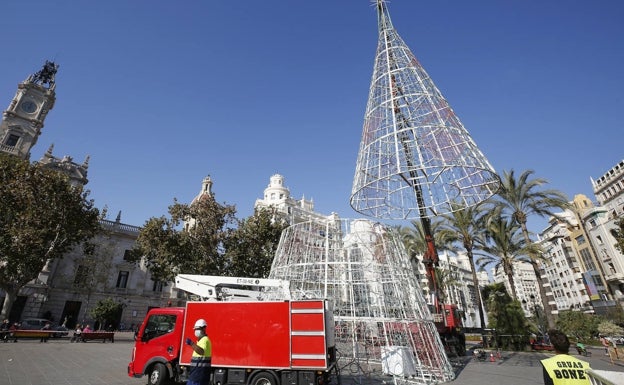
x=59, y=362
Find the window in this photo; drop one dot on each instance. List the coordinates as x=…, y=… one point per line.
x=82, y=273
x=580, y=240
x=158, y=325
x=12, y=140
x=127, y=256
x=158, y=286
x=122, y=279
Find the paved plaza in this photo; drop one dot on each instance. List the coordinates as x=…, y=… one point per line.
x=59, y=362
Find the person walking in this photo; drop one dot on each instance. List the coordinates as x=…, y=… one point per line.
x=562, y=368
x=46, y=328
x=605, y=344
x=4, y=329
x=200, y=367
x=77, y=337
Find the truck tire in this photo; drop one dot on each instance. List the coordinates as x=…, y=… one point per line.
x=263, y=378
x=157, y=375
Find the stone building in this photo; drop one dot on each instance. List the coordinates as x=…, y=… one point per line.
x=66, y=289
x=70, y=287
x=277, y=195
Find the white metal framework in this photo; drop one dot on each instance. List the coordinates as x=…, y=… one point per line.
x=383, y=324
x=416, y=158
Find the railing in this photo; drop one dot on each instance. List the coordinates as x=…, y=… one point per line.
x=8, y=149
x=121, y=227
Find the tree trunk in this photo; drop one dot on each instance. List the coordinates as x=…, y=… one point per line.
x=550, y=319
x=475, y=282
x=8, y=304
x=512, y=284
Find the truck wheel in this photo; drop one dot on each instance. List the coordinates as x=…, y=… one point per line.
x=157, y=375
x=263, y=378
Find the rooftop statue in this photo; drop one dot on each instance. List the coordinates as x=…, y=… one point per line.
x=46, y=74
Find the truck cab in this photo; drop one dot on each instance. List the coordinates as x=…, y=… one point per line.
x=158, y=341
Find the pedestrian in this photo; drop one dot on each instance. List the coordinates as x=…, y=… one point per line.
x=562, y=368
x=605, y=344
x=46, y=328
x=87, y=329
x=13, y=329
x=614, y=345
x=77, y=334
x=4, y=329
x=202, y=355
x=580, y=348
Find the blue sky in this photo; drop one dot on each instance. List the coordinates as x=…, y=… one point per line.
x=162, y=93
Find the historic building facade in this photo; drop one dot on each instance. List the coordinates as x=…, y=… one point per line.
x=67, y=288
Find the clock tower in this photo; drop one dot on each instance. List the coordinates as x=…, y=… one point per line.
x=23, y=120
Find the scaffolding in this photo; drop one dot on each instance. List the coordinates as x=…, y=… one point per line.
x=383, y=325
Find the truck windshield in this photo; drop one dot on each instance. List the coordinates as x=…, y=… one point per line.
x=158, y=325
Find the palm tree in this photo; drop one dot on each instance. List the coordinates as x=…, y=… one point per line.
x=505, y=247
x=521, y=198
x=467, y=225
x=446, y=280
x=413, y=238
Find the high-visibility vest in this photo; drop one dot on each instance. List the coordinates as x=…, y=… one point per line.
x=564, y=369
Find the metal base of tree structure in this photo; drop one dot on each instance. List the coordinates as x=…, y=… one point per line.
x=383, y=324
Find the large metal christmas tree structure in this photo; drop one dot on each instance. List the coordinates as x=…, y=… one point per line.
x=416, y=160
x=383, y=325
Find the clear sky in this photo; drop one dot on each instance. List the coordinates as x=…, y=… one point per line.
x=161, y=94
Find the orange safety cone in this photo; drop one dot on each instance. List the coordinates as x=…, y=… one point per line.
x=492, y=357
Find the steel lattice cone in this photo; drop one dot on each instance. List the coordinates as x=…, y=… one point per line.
x=416, y=158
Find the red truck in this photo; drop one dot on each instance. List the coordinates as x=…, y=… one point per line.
x=451, y=331
x=254, y=342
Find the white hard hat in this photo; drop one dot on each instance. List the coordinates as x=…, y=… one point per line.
x=200, y=323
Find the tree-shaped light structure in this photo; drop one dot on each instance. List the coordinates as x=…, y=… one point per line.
x=416, y=159
x=382, y=321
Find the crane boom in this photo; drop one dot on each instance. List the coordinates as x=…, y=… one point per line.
x=210, y=287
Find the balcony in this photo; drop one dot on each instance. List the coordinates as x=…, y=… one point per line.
x=615, y=278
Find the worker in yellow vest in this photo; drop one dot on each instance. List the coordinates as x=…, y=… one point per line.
x=563, y=369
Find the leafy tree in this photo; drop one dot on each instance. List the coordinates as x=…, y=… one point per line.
x=168, y=249
x=506, y=316
x=105, y=312
x=521, y=197
x=578, y=324
x=615, y=314
x=250, y=248
x=506, y=246
x=619, y=235
x=608, y=328
x=467, y=225
x=42, y=216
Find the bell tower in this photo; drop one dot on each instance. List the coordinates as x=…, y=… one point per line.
x=23, y=120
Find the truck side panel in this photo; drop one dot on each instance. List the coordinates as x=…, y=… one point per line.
x=308, y=344
x=243, y=334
